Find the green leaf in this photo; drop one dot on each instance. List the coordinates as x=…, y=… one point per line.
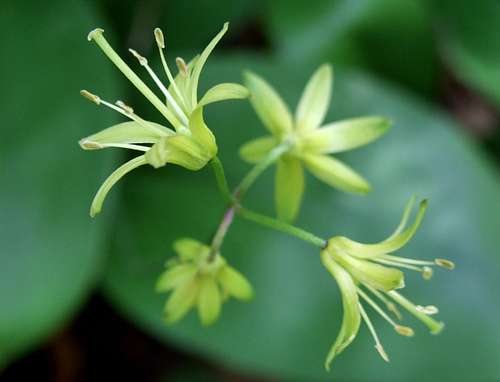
x=288, y=328
x=51, y=251
x=469, y=40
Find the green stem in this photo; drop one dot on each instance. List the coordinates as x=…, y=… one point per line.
x=221, y=179
x=279, y=225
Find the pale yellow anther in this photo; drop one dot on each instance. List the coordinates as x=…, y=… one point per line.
x=142, y=60
x=427, y=273
x=94, y=33
x=90, y=96
x=181, y=64
x=89, y=145
x=404, y=331
x=160, y=40
x=124, y=106
x=445, y=263
x=382, y=352
x=392, y=307
x=429, y=309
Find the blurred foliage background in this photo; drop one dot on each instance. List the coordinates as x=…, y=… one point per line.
x=76, y=295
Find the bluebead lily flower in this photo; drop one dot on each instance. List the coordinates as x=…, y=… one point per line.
x=309, y=141
x=195, y=280
x=189, y=144
x=369, y=272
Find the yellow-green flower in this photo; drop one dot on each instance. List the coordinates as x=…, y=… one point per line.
x=190, y=144
x=365, y=272
x=310, y=142
x=198, y=280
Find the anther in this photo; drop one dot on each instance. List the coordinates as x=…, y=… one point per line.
x=160, y=41
x=93, y=33
x=382, y=352
x=90, y=96
x=392, y=307
x=429, y=309
x=445, y=263
x=427, y=273
x=404, y=331
x=124, y=106
x=142, y=60
x=181, y=64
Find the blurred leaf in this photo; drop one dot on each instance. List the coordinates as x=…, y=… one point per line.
x=470, y=35
x=390, y=37
x=288, y=328
x=51, y=250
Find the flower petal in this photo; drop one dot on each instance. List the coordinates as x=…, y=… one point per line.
x=268, y=105
x=181, y=150
x=234, y=283
x=351, y=317
x=209, y=301
x=222, y=92
x=181, y=301
x=315, y=99
x=124, y=133
x=121, y=171
x=257, y=149
x=375, y=275
x=189, y=249
x=198, y=66
x=201, y=132
x=175, y=276
x=345, y=135
x=336, y=174
x=387, y=246
x=289, y=188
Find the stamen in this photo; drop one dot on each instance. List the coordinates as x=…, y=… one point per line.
x=398, y=264
x=97, y=36
x=427, y=273
x=429, y=309
x=125, y=107
x=406, y=260
x=404, y=330
x=445, y=263
x=90, y=96
x=181, y=65
x=144, y=62
x=377, y=308
x=389, y=305
x=160, y=41
x=378, y=345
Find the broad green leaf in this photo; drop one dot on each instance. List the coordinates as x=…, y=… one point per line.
x=51, y=250
x=469, y=36
x=287, y=329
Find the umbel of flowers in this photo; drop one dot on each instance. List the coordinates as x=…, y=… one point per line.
x=368, y=275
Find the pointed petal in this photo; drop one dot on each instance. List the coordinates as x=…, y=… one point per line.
x=336, y=174
x=201, y=132
x=209, y=301
x=315, y=99
x=182, y=299
x=387, y=246
x=198, y=66
x=234, y=283
x=404, y=218
x=189, y=249
x=124, y=133
x=268, y=105
x=222, y=92
x=346, y=135
x=121, y=171
x=256, y=150
x=181, y=150
x=289, y=188
x=375, y=275
x=175, y=276
x=351, y=316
